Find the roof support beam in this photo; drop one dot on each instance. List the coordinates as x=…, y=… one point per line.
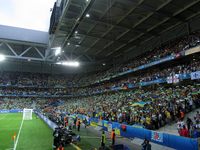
x=25, y=58
x=160, y=13
x=12, y=50
x=39, y=52
x=131, y=42
x=78, y=21
x=131, y=10
x=112, y=2
x=24, y=52
x=13, y=54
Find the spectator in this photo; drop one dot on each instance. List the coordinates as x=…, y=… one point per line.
x=184, y=131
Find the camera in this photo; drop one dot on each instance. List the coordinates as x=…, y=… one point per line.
x=62, y=136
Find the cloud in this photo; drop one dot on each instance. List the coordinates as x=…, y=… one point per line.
x=30, y=14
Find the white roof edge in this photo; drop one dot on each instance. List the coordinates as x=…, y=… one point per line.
x=21, y=34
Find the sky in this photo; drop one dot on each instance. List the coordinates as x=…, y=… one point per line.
x=29, y=14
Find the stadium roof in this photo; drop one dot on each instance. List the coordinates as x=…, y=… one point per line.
x=102, y=31
x=116, y=27
x=19, y=43
x=32, y=36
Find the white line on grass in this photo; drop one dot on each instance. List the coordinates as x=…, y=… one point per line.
x=75, y=146
x=3, y=117
x=15, y=145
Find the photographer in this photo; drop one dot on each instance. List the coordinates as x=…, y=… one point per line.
x=146, y=145
x=57, y=137
x=62, y=136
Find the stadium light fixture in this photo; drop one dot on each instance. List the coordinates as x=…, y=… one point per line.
x=2, y=57
x=57, y=51
x=87, y=15
x=59, y=63
x=69, y=63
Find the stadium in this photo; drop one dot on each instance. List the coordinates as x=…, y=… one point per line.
x=100, y=75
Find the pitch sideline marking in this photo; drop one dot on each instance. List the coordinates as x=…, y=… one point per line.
x=75, y=146
x=3, y=117
x=91, y=137
x=16, y=142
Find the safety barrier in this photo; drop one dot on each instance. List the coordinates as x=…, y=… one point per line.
x=11, y=111
x=50, y=123
x=169, y=140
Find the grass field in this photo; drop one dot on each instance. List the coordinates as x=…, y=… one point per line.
x=36, y=135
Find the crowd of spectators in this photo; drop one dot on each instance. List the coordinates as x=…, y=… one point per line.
x=185, y=68
x=160, y=105
x=15, y=103
x=151, y=107
x=173, y=48
x=190, y=127
x=46, y=80
x=34, y=92
x=150, y=75
x=34, y=79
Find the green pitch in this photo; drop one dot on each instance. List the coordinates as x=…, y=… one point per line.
x=9, y=124
x=36, y=135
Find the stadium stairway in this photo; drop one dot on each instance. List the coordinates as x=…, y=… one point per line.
x=172, y=128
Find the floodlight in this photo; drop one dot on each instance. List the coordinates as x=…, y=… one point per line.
x=57, y=51
x=2, y=57
x=59, y=63
x=87, y=15
x=69, y=63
